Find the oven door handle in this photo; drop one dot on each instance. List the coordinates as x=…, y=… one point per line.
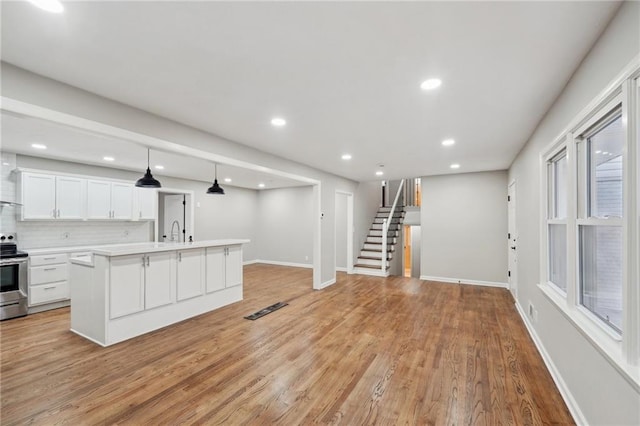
x=14, y=261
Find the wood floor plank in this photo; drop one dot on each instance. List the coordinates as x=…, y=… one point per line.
x=367, y=350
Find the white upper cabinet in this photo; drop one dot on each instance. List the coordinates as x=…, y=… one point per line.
x=109, y=200
x=98, y=199
x=70, y=197
x=48, y=196
x=52, y=197
x=121, y=200
x=146, y=204
x=38, y=196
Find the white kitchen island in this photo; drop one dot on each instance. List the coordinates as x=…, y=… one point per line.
x=123, y=291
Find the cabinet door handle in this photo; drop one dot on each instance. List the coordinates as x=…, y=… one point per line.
x=58, y=212
x=53, y=213
x=142, y=260
x=140, y=215
x=179, y=257
x=148, y=262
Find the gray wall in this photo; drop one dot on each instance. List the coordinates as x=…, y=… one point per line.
x=341, y=232
x=464, y=227
x=367, y=201
x=285, y=225
x=601, y=392
x=33, y=89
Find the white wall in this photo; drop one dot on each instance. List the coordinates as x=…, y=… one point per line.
x=601, y=393
x=464, y=227
x=285, y=225
x=33, y=89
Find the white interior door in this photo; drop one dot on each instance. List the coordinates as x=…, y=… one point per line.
x=512, y=241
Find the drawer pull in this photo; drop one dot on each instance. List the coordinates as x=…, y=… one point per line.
x=49, y=258
x=49, y=287
x=49, y=269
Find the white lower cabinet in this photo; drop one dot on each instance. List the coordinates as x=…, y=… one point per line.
x=48, y=279
x=139, y=282
x=190, y=273
x=159, y=287
x=126, y=295
x=223, y=267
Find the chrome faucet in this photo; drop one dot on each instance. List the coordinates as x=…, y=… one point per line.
x=173, y=235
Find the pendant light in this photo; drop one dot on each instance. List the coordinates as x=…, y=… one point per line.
x=147, y=181
x=215, y=188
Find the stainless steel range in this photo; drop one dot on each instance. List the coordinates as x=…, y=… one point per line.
x=13, y=278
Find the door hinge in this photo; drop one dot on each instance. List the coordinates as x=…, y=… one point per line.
x=508, y=273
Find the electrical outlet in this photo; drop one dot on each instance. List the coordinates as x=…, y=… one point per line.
x=198, y=204
x=306, y=258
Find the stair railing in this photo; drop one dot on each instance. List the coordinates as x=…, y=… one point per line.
x=385, y=229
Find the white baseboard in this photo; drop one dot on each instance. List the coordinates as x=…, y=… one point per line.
x=327, y=284
x=276, y=262
x=464, y=281
x=250, y=262
x=566, y=394
x=341, y=269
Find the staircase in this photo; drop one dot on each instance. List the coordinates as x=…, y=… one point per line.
x=370, y=259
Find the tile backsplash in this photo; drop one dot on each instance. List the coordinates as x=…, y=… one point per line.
x=32, y=235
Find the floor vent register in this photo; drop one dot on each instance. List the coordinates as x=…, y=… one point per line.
x=265, y=311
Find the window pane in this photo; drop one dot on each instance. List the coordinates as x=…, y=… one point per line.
x=605, y=170
x=558, y=255
x=561, y=187
x=601, y=272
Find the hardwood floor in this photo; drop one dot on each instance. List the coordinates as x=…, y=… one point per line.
x=367, y=350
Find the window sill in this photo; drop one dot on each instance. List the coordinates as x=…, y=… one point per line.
x=606, y=341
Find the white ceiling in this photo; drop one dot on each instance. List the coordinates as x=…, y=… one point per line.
x=345, y=75
x=65, y=143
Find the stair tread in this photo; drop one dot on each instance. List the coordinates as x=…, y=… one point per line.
x=358, y=265
x=372, y=258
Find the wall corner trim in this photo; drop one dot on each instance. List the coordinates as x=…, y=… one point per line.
x=327, y=284
x=464, y=281
x=566, y=394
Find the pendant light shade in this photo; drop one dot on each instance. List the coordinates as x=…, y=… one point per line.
x=148, y=181
x=215, y=188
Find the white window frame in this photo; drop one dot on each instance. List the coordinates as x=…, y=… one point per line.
x=550, y=207
x=601, y=119
x=621, y=350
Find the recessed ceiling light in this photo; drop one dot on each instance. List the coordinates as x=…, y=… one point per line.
x=227, y=180
x=379, y=173
x=261, y=185
x=6, y=164
x=431, y=84
x=108, y=158
x=448, y=142
x=53, y=6
x=38, y=146
x=159, y=167
x=455, y=166
x=278, y=122
x=598, y=152
x=346, y=156
x=605, y=153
